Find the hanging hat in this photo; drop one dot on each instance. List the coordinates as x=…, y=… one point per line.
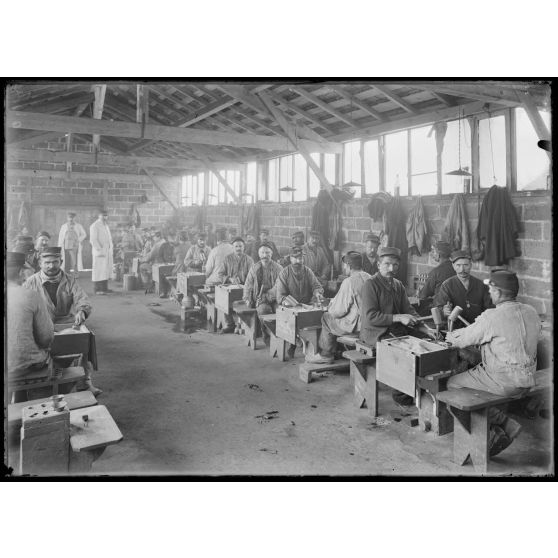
x=372, y=238
x=353, y=259
x=52, y=251
x=459, y=254
x=296, y=251
x=389, y=251
x=15, y=259
x=503, y=279
x=443, y=248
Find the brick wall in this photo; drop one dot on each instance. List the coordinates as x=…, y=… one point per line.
x=534, y=267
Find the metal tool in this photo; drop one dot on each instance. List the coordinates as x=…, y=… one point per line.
x=455, y=313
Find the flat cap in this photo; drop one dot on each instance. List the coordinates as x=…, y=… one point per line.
x=353, y=259
x=102, y=211
x=265, y=231
x=43, y=233
x=314, y=233
x=201, y=235
x=265, y=245
x=15, y=259
x=297, y=233
x=296, y=251
x=389, y=251
x=71, y=213
x=503, y=279
x=443, y=247
x=459, y=254
x=237, y=239
x=52, y=251
x=372, y=238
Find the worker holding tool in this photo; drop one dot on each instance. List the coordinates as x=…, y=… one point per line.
x=444, y=270
x=508, y=336
x=259, y=288
x=463, y=290
x=386, y=309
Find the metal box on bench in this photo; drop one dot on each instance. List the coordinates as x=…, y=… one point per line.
x=399, y=361
x=290, y=320
x=186, y=282
x=225, y=295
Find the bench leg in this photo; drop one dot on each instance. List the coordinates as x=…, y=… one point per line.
x=470, y=438
x=310, y=341
x=363, y=379
x=304, y=374
x=433, y=415
x=211, y=314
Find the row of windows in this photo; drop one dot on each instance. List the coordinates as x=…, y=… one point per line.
x=406, y=160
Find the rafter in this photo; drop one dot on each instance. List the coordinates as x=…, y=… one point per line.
x=100, y=91
x=160, y=188
x=357, y=102
x=34, y=139
x=324, y=106
x=58, y=104
x=217, y=174
x=536, y=119
x=395, y=98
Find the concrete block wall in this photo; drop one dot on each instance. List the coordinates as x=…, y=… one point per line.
x=116, y=196
x=534, y=266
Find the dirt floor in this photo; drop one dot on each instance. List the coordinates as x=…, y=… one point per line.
x=188, y=402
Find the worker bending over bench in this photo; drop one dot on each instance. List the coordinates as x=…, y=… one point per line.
x=508, y=336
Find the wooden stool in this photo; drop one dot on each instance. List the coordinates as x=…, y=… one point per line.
x=249, y=324
x=305, y=370
x=277, y=346
x=363, y=379
x=433, y=414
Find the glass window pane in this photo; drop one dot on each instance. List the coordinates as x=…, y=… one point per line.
x=213, y=197
x=451, y=158
x=251, y=181
x=285, y=177
x=272, y=180
x=492, y=151
x=329, y=168
x=423, y=162
x=300, y=178
x=351, y=162
x=233, y=180
x=396, y=163
x=533, y=163
x=314, y=181
x=221, y=193
x=371, y=167
x=183, y=199
x=201, y=188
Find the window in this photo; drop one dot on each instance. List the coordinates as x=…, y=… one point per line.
x=212, y=196
x=183, y=194
x=492, y=151
x=371, y=167
x=313, y=180
x=251, y=181
x=329, y=168
x=285, y=177
x=396, y=163
x=273, y=180
x=351, y=162
x=423, y=162
x=233, y=180
x=300, y=181
x=454, y=154
x=201, y=189
x=533, y=163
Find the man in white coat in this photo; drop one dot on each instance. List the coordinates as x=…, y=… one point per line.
x=101, y=241
x=70, y=239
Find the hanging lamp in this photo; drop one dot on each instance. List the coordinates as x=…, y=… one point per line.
x=460, y=171
x=348, y=186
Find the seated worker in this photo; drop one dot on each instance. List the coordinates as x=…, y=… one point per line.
x=297, y=240
x=508, y=336
x=463, y=290
x=264, y=239
x=251, y=249
x=259, y=287
x=198, y=254
x=316, y=259
x=217, y=256
x=157, y=254
x=29, y=327
x=41, y=242
x=370, y=254
x=24, y=245
x=63, y=297
x=343, y=313
x=444, y=270
x=130, y=242
x=296, y=284
x=386, y=308
x=180, y=253
x=147, y=243
x=210, y=235
x=234, y=270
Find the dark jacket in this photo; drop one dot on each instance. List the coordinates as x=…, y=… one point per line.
x=368, y=266
x=498, y=227
x=435, y=279
x=380, y=301
x=397, y=235
x=457, y=225
x=418, y=237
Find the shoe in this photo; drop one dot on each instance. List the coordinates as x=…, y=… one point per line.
x=402, y=399
x=499, y=441
x=318, y=359
x=512, y=428
x=94, y=390
x=228, y=329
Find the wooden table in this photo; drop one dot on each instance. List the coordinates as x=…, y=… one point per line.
x=277, y=346
x=249, y=323
x=302, y=321
x=207, y=298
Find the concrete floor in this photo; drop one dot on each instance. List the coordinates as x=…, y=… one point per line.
x=184, y=404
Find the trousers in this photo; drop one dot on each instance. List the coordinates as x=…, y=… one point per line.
x=329, y=334
x=70, y=257
x=100, y=286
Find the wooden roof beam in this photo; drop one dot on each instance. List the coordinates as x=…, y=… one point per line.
x=59, y=104
x=100, y=92
x=396, y=98
x=536, y=120
x=356, y=102
x=324, y=106
x=33, y=139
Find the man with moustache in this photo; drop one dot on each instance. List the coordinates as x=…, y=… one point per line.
x=370, y=254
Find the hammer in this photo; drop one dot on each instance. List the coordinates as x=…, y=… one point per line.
x=436, y=316
x=454, y=315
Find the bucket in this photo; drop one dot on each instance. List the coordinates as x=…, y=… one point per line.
x=129, y=283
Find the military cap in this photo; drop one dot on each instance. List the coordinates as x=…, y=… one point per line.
x=459, y=254
x=52, y=251
x=237, y=239
x=314, y=233
x=353, y=259
x=372, y=238
x=389, y=251
x=295, y=251
x=43, y=233
x=102, y=211
x=201, y=235
x=503, y=279
x=265, y=245
x=71, y=214
x=15, y=259
x=444, y=248
x=297, y=233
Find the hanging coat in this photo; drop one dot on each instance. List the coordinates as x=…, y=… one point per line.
x=101, y=241
x=250, y=219
x=397, y=235
x=80, y=231
x=418, y=237
x=498, y=227
x=457, y=225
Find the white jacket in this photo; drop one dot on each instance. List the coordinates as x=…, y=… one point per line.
x=101, y=241
x=80, y=231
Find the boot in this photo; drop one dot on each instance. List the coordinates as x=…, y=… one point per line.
x=90, y=387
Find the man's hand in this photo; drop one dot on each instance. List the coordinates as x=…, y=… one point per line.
x=235, y=280
x=289, y=301
x=448, y=307
x=405, y=319
x=319, y=297
x=80, y=318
